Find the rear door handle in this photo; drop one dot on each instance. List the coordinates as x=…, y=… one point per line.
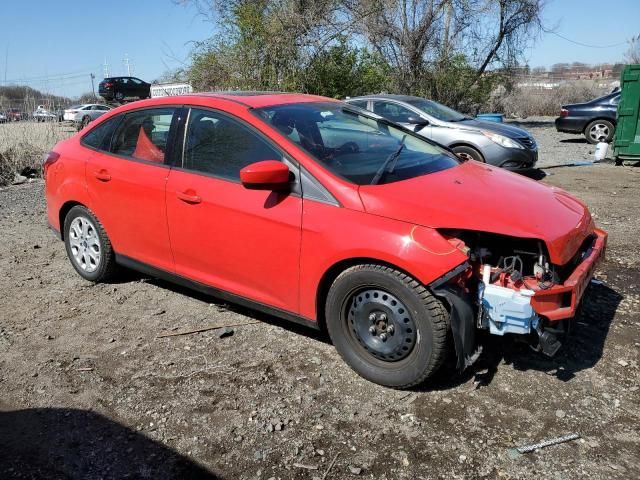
x=189, y=197
x=103, y=175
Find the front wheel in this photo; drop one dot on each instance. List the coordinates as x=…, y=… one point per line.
x=599, y=131
x=467, y=153
x=386, y=325
x=88, y=246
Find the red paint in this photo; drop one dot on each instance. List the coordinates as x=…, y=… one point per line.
x=275, y=247
x=265, y=175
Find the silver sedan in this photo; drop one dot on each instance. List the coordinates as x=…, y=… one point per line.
x=501, y=145
x=83, y=114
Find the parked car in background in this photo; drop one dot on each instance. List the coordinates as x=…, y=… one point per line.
x=15, y=114
x=494, y=143
x=124, y=88
x=596, y=119
x=83, y=114
x=3, y=118
x=328, y=215
x=41, y=114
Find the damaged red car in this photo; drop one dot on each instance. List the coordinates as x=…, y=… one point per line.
x=324, y=214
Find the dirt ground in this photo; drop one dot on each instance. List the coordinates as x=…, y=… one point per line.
x=89, y=390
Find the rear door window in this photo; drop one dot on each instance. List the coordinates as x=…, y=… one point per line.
x=359, y=103
x=144, y=135
x=392, y=111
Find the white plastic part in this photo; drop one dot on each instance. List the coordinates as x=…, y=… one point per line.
x=601, y=151
x=508, y=310
x=486, y=274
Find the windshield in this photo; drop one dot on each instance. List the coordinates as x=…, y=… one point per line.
x=354, y=144
x=437, y=110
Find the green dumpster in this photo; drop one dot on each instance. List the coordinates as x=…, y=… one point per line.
x=626, y=142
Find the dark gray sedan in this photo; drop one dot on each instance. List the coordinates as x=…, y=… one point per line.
x=495, y=143
x=595, y=119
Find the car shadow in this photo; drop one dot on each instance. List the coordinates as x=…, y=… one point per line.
x=582, y=348
x=533, y=173
x=319, y=335
x=574, y=140
x=63, y=443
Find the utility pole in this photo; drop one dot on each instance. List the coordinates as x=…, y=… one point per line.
x=93, y=88
x=105, y=68
x=127, y=64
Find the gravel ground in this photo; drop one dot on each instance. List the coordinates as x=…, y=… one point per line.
x=89, y=390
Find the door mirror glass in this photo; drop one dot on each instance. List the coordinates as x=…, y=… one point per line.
x=266, y=175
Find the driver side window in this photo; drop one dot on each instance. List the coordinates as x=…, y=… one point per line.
x=392, y=111
x=220, y=146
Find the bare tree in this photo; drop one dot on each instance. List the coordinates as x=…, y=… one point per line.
x=416, y=36
x=632, y=54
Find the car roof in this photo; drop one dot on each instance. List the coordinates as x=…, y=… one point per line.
x=262, y=99
x=387, y=96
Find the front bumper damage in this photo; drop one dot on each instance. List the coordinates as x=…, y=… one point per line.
x=528, y=308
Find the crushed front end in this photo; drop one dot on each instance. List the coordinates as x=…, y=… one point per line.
x=510, y=285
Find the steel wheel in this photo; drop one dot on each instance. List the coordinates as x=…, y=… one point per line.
x=381, y=324
x=386, y=325
x=84, y=243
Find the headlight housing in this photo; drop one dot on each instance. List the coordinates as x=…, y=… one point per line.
x=501, y=140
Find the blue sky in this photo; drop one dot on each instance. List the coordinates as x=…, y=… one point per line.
x=55, y=44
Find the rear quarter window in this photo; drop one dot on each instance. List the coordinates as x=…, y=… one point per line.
x=98, y=137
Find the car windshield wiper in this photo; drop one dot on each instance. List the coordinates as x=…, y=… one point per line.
x=394, y=156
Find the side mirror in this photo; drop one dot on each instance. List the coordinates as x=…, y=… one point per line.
x=265, y=175
x=418, y=121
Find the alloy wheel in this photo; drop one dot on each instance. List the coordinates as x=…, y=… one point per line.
x=85, y=244
x=599, y=132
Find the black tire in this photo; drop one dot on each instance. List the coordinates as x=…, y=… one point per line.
x=119, y=96
x=85, y=121
x=468, y=153
x=106, y=267
x=599, y=131
x=422, y=357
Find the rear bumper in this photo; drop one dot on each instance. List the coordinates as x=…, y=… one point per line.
x=571, y=124
x=561, y=301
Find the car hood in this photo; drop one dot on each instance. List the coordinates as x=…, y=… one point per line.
x=476, y=196
x=495, y=127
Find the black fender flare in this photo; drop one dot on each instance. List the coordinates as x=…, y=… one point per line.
x=462, y=321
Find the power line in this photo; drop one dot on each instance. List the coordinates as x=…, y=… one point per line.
x=39, y=78
x=584, y=44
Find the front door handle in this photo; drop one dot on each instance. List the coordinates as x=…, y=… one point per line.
x=103, y=175
x=189, y=197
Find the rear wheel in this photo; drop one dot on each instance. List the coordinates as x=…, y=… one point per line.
x=386, y=325
x=599, y=131
x=88, y=246
x=119, y=96
x=85, y=121
x=468, y=153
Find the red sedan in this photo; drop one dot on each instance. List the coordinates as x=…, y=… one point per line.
x=325, y=214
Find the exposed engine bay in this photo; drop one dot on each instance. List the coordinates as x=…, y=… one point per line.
x=501, y=282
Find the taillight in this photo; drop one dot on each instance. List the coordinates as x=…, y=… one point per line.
x=51, y=158
x=564, y=112
x=108, y=85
